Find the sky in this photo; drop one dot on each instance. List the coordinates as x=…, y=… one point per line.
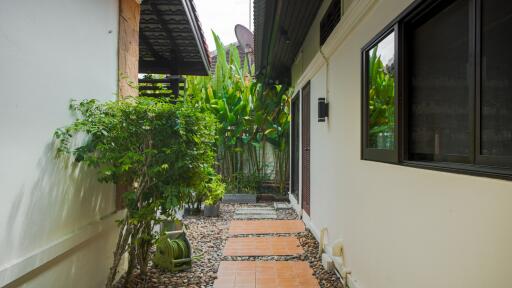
x=221, y=16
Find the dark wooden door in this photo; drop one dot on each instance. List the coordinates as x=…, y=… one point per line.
x=306, y=148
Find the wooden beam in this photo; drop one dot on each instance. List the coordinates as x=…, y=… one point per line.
x=174, y=68
x=158, y=95
x=163, y=80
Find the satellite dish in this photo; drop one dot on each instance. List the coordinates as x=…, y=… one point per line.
x=246, y=41
x=245, y=38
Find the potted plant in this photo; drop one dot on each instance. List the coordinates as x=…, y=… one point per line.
x=215, y=189
x=170, y=225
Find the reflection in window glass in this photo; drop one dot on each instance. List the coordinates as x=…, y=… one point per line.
x=439, y=86
x=381, y=94
x=496, y=100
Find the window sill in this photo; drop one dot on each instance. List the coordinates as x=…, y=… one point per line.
x=468, y=169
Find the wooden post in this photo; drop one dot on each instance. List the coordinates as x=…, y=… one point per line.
x=128, y=61
x=128, y=53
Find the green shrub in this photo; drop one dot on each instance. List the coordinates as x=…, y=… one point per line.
x=160, y=150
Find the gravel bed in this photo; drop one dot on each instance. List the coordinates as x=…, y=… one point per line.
x=208, y=236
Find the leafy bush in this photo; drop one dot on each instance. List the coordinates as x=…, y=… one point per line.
x=247, y=183
x=161, y=151
x=215, y=190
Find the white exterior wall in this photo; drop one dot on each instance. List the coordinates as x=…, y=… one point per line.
x=56, y=221
x=402, y=227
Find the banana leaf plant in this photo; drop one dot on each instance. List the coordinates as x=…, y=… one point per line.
x=254, y=119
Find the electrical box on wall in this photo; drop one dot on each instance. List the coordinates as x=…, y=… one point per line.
x=323, y=110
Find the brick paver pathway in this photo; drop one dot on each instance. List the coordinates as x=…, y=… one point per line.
x=265, y=227
x=262, y=246
x=265, y=274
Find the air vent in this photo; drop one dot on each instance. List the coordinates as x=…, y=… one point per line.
x=331, y=18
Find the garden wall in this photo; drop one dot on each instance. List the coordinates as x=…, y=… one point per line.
x=56, y=222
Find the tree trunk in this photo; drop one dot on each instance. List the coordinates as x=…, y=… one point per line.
x=131, y=266
x=122, y=242
x=143, y=245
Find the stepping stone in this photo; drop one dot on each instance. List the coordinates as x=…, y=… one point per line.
x=256, y=213
x=265, y=227
x=254, y=216
x=253, y=205
x=268, y=274
x=239, y=198
x=282, y=205
x=256, y=210
x=263, y=246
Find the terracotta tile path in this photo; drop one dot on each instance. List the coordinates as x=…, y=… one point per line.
x=262, y=246
x=265, y=227
x=264, y=274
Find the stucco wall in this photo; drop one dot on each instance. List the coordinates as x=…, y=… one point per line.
x=402, y=227
x=312, y=42
x=51, y=52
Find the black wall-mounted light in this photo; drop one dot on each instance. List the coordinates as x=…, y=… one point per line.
x=323, y=110
x=284, y=36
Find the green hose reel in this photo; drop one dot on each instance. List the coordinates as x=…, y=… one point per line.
x=173, y=252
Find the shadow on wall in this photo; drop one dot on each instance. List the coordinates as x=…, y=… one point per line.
x=69, y=267
x=62, y=199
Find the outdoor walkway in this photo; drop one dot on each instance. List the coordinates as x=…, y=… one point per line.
x=264, y=274
x=263, y=246
x=265, y=227
x=255, y=213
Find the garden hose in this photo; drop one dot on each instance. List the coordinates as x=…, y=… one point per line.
x=180, y=250
x=172, y=254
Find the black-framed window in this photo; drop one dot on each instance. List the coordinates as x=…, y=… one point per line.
x=494, y=95
x=380, y=102
x=453, y=88
x=439, y=81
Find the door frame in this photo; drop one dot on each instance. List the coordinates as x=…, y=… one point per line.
x=305, y=118
x=296, y=99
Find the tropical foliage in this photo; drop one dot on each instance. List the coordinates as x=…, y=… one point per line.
x=163, y=152
x=254, y=121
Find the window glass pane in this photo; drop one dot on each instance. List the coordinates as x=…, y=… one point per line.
x=381, y=94
x=439, y=94
x=496, y=97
